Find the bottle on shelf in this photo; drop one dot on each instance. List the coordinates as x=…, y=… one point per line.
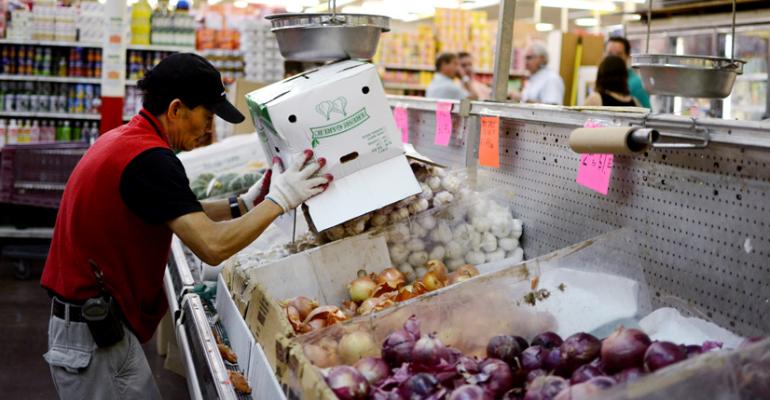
x=13, y=132
x=3, y=133
x=66, y=132
x=141, y=14
x=22, y=135
x=34, y=132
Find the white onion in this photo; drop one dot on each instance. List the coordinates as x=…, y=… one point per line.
x=434, y=183
x=398, y=253
x=495, y=256
x=508, y=244
x=418, y=259
x=489, y=242
x=437, y=253
x=408, y=272
x=481, y=224
x=475, y=257
x=516, y=255
x=427, y=222
x=415, y=245
x=454, y=250
x=454, y=263
x=398, y=233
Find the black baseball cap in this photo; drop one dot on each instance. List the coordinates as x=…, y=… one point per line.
x=192, y=79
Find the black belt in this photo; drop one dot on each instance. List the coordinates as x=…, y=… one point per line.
x=60, y=310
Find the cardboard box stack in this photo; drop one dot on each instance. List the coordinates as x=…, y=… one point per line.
x=261, y=55
x=482, y=41
x=451, y=26
x=409, y=48
x=90, y=22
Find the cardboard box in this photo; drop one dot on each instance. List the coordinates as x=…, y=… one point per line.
x=341, y=112
x=321, y=273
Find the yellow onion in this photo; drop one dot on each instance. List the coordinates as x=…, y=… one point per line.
x=323, y=316
x=467, y=269
x=361, y=289
x=293, y=315
x=438, y=268
x=321, y=357
x=377, y=303
x=303, y=305
x=456, y=278
x=432, y=281
x=392, y=277
x=355, y=346
x=349, y=308
x=313, y=325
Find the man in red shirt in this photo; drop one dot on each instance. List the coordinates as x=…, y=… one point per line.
x=124, y=200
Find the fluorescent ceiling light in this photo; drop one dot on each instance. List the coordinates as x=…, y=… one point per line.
x=586, y=22
x=240, y=4
x=543, y=27
x=579, y=4
x=323, y=6
x=471, y=4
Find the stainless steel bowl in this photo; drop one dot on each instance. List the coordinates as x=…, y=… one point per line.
x=687, y=76
x=328, y=37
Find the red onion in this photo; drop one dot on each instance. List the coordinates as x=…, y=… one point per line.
x=533, y=357
x=579, y=349
x=505, y=348
x=586, y=390
x=535, y=373
x=470, y=392
x=428, y=351
x=548, y=340
x=710, y=345
x=692, y=350
x=375, y=370
x=421, y=387
x=585, y=373
x=597, y=362
x=495, y=376
x=397, y=348
x=629, y=375
x=347, y=383
x=662, y=354
x=522, y=342
x=545, y=388
x=623, y=349
x=553, y=361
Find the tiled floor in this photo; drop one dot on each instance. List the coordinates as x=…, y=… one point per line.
x=24, y=311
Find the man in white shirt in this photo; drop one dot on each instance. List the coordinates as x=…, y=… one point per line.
x=443, y=86
x=466, y=70
x=543, y=86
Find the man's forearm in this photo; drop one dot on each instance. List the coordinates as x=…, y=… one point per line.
x=219, y=210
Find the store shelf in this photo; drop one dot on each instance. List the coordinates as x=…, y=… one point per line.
x=428, y=68
x=752, y=77
x=25, y=114
x=514, y=72
x=158, y=47
x=40, y=78
x=404, y=86
x=49, y=43
x=131, y=82
x=749, y=108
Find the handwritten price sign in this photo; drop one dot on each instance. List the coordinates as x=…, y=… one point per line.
x=489, y=142
x=595, y=170
x=402, y=122
x=443, y=123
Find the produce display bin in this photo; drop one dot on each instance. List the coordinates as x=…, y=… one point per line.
x=35, y=174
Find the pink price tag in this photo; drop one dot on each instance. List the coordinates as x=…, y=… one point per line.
x=402, y=122
x=594, y=172
x=443, y=123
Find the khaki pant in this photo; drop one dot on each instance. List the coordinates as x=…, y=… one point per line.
x=81, y=370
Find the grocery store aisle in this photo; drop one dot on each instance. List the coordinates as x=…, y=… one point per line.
x=24, y=310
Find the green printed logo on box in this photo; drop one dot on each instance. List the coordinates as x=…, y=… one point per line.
x=342, y=126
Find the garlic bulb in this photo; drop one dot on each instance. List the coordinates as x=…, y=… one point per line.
x=379, y=219
x=335, y=233
x=481, y=224
x=398, y=233
x=442, y=198
x=495, y=255
x=427, y=192
x=427, y=222
x=418, y=231
x=454, y=250
x=418, y=259
x=418, y=206
x=502, y=227
x=398, y=215
x=516, y=229
x=489, y=242
x=419, y=272
x=475, y=257
x=516, y=255
x=437, y=253
x=462, y=234
x=415, y=245
x=442, y=233
x=475, y=242
x=454, y=263
x=508, y=244
x=408, y=272
x=398, y=253
x=434, y=183
x=450, y=183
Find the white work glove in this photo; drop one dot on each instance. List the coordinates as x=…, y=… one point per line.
x=257, y=191
x=296, y=184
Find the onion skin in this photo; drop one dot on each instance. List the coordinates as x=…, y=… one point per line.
x=468, y=270
x=578, y=349
x=505, y=348
x=629, y=375
x=545, y=388
x=392, y=277
x=662, y=354
x=711, y=345
x=623, y=349
x=535, y=373
x=547, y=339
x=347, y=383
x=303, y=305
x=693, y=350
x=375, y=370
x=499, y=376
x=470, y=392
x=533, y=357
x=584, y=373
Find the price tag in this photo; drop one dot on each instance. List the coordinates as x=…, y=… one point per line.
x=595, y=170
x=402, y=122
x=489, y=143
x=443, y=123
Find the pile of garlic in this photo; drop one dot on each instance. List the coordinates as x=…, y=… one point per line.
x=439, y=188
x=474, y=231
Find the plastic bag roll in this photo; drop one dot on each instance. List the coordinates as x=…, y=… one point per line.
x=615, y=140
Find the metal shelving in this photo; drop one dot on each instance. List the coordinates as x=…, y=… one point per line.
x=40, y=78
x=30, y=114
x=752, y=77
x=404, y=86
x=25, y=42
x=429, y=68
x=159, y=47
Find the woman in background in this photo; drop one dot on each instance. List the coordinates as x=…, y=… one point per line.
x=611, y=88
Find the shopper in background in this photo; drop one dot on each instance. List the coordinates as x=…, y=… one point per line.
x=620, y=47
x=124, y=200
x=611, y=88
x=443, y=86
x=544, y=85
x=483, y=91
